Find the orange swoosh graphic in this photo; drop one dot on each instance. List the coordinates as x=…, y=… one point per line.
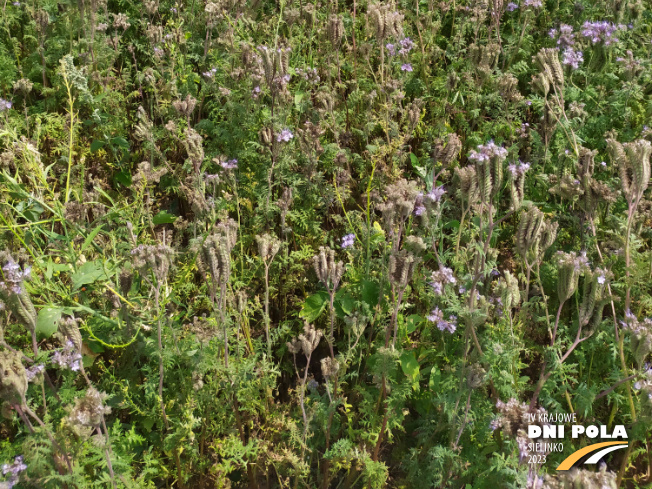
x=570, y=461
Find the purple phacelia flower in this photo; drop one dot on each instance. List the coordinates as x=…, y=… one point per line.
x=436, y=194
x=406, y=67
x=437, y=317
x=511, y=6
x=573, y=58
x=68, y=358
x=348, y=241
x=284, y=136
x=230, y=164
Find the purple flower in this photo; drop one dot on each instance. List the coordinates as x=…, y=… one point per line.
x=5, y=104
x=437, y=317
x=436, y=193
x=573, y=58
x=173, y=10
x=406, y=46
x=566, y=35
x=348, y=241
x=528, y=102
x=16, y=4
x=519, y=169
x=285, y=135
x=69, y=357
x=440, y=278
x=487, y=151
x=158, y=51
x=14, y=470
x=601, y=31
x=32, y=372
x=391, y=49
x=210, y=73
x=533, y=3
x=406, y=67
x=511, y=6
x=229, y=165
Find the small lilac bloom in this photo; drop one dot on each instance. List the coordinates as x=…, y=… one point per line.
x=533, y=3
x=348, y=241
x=5, y=104
x=391, y=49
x=406, y=46
x=511, y=6
x=601, y=279
x=285, y=135
x=229, y=165
x=573, y=58
x=406, y=67
x=436, y=193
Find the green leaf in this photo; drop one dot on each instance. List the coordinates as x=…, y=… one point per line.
x=344, y=304
x=88, y=273
x=120, y=142
x=164, y=217
x=47, y=321
x=314, y=306
x=89, y=239
x=97, y=145
x=413, y=323
x=410, y=368
x=370, y=293
x=435, y=378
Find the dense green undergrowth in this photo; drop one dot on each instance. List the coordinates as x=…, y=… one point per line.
x=324, y=244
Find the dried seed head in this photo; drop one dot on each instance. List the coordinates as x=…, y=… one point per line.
x=329, y=271
x=185, y=107
x=192, y=141
x=329, y=367
x=548, y=61
x=401, y=267
x=309, y=339
x=447, y=154
x=157, y=259
x=268, y=246
x=87, y=411
x=13, y=378
x=69, y=329
x=468, y=189
x=335, y=29
x=384, y=21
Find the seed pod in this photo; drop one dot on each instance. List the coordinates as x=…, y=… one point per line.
x=329, y=367
x=448, y=154
x=13, y=378
x=335, y=29
x=469, y=190
x=310, y=338
x=401, y=267
x=69, y=329
x=529, y=231
x=329, y=271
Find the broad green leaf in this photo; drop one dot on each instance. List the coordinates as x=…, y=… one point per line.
x=413, y=323
x=97, y=145
x=88, y=273
x=164, y=217
x=314, y=306
x=47, y=321
x=370, y=292
x=344, y=304
x=410, y=368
